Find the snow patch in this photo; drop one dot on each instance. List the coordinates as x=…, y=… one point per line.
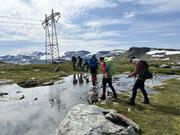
x=166, y=59
x=157, y=56
x=152, y=52
x=43, y=57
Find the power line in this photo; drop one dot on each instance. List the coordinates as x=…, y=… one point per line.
x=15, y=26
x=18, y=18
x=17, y=23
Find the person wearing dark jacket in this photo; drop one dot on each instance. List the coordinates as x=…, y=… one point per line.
x=74, y=60
x=93, y=67
x=80, y=62
x=86, y=60
x=107, y=78
x=139, y=83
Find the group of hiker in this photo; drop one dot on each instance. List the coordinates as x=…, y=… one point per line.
x=141, y=72
x=79, y=63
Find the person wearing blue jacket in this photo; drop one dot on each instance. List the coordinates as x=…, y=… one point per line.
x=93, y=67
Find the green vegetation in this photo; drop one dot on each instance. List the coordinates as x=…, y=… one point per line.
x=123, y=65
x=40, y=72
x=161, y=117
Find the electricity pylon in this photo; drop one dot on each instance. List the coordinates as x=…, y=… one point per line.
x=51, y=40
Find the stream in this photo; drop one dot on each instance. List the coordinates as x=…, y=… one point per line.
x=42, y=108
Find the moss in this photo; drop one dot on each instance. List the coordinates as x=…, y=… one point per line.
x=161, y=117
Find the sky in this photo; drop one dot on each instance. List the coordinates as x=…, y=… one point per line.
x=91, y=25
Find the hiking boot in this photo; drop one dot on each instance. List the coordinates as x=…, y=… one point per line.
x=145, y=102
x=103, y=98
x=115, y=97
x=130, y=103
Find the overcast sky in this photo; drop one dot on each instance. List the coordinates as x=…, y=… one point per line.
x=90, y=24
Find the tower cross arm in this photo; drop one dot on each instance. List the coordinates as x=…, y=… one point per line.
x=53, y=15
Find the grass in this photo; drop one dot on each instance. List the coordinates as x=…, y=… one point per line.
x=46, y=72
x=123, y=65
x=39, y=72
x=161, y=117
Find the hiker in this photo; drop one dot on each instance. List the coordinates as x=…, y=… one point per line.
x=139, y=67
x=107, y=78
x=74, y=60
x=86, y=60
x=93, y=67
x=80, y=62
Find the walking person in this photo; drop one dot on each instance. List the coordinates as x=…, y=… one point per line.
x=74, y=60
x=86, y=60
x=107, y=78
x=80, y=62
x=93, y=67
x=139, y=67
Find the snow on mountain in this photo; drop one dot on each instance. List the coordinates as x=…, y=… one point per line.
x=165, y=52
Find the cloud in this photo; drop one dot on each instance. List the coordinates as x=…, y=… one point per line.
x=156, y=6
x=125, y=19
x=89, y=24
x=70, y=9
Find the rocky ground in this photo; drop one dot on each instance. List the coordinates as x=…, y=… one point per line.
x=92, y=120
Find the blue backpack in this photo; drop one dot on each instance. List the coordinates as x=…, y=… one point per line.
x=93, y=63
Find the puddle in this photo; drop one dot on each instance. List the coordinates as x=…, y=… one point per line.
x=40, y=116
x=44, y=107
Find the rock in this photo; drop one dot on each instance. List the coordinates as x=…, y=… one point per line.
x=175, y=67
x=57, y=69
x=35, y=99
x=165, y=66
x=63, y=74
x=3, y=72
x=119, y=118
x=92, y=96
x=92, y=120
x=29, y=83
x=36, y=70
x=3, y=93
x=22, y=97
x=48, y=83
x=2, y=81
x=18, y=91
x=12, y=97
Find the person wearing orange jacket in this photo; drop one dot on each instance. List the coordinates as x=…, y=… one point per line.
x=107, y=78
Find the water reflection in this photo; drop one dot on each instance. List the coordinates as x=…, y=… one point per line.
x=40, y=116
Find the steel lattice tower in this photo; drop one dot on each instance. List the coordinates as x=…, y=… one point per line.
x=51, y=40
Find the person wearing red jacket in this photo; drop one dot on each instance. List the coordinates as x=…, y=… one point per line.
x=139, y=84
x=107, y=78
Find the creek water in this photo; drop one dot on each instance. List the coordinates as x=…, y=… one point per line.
x=42, y=108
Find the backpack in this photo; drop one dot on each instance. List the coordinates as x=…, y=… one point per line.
x=145, y=74
x=93, y=64
x=110, y=67
x=73, y=59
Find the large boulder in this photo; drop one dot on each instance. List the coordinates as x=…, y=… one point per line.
x=92, y=120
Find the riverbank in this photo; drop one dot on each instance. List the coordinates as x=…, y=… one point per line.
x=34, y=75
x=47, y=74
x=161, y=117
